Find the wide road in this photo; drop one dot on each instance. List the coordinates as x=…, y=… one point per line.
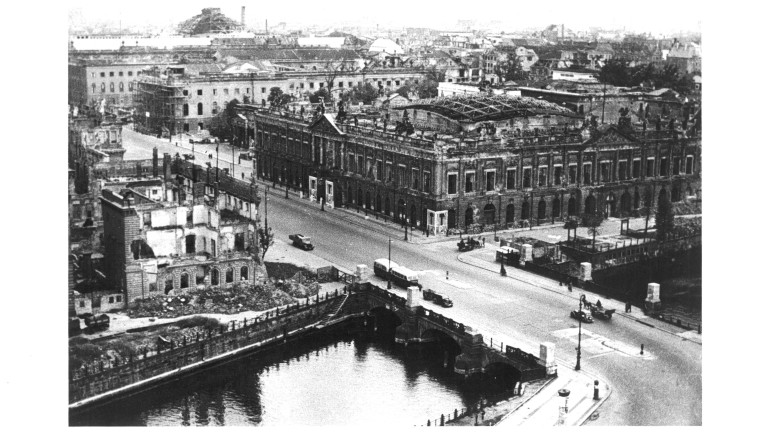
x=661, y=387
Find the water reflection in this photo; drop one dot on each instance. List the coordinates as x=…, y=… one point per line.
x=341, y=379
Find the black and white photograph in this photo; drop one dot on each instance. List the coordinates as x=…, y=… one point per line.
x=383, y=215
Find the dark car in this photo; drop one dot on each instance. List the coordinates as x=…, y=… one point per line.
x=582, y=316
x=303, y=242
x=245, y=156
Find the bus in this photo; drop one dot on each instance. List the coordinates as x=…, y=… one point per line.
x=404, y=277
x=381, y=267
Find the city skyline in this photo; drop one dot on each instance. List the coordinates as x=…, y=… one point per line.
x=656, y=17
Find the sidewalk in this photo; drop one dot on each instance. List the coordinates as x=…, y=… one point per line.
x=484, y=258
x=542, y=409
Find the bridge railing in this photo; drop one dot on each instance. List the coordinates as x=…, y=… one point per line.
x=442, y=320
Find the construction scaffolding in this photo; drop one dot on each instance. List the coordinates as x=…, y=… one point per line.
x=157, y=99
x=211, y=20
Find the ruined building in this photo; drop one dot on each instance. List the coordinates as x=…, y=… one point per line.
x=475, y=161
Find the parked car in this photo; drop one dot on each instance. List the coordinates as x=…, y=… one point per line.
x=301, y=241
x=436, y=298
x=207, y=140
x=468, y=244
x=245, y=156
x=582, y=316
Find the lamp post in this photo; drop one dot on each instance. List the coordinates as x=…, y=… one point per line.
x=389, y=242
x=580, y=333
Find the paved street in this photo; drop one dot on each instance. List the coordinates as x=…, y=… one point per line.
x=661, y=387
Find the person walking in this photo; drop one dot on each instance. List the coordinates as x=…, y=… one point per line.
x=569, y=286
x=447, y=275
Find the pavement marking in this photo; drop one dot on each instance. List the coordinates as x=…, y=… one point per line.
x=601, y=345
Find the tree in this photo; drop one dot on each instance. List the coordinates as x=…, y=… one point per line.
x=277, y=98
x=320, y=93
x=571, y=225
x=593, y=222
x=510, y=69
x=265, y=240
x=615, y=72
x=222, y=124
x=366, y=94
x=664, y=217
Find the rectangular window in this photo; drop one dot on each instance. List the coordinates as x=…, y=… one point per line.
x=426, y=181
x=470, y=179
x=572, y=174
x=118, y=298
x=301, y=85
x=237, y=91
x=112, y=299
x=388, y=171
x=636, y=168
x=663, y=166
x=557, y=175
x=82, y=304
x=650, y=167
x=398, y=83
x=147, y=219
x=415, y=179
x=587, y=173
x=351, y=163
x=361, y=166
x=340, y=84
x=227, y=91
x=248, y=91
x=120, y=74
x=112, y=74
x=264, y=89
x=312, y=85
x=689, y=165
x=214, y=91
x=677, y=165
x=402, y=176
x=350, y=84
x=101, y=74
x=130, y=73
x=320, y=85
x=604, y=171
x=622, y=170
x=510, y=178
x=527, y=181
x=200, y=92
x=490, y=186
x=388, y=83
x=452, y=183
x=542, y=176
x=378, y=170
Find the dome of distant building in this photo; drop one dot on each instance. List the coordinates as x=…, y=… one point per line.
x=385, y=46
x=210, y=20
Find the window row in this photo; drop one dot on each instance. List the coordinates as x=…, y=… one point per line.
x=570, y=177
x=200, y=278
x=112, y=74
x=121, y=87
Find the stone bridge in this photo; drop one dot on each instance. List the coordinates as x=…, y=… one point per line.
x=420, y=325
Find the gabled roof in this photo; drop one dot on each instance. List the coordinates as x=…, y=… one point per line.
x=326, y=121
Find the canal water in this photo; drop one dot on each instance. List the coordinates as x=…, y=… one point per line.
x=357, y=378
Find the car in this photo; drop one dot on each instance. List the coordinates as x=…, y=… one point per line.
x=302, y=242
x=245, y=156
x=187, y=156
x=207, y=140
x=582, y=316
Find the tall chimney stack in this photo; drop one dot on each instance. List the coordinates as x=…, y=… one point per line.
x=243, y=16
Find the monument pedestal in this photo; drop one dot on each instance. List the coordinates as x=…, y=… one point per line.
x=652, y=302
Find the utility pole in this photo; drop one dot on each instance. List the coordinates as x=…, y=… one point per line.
x=580, y=334
x=389, y=242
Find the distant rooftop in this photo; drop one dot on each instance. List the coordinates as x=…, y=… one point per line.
x=478, y=107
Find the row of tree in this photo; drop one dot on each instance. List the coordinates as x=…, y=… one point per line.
x=617, y=72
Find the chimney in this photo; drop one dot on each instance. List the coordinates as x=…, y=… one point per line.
x=166, y=167
x=154, y=162
x=243, y=16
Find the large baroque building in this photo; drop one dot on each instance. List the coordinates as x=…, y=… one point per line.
x=475, y=160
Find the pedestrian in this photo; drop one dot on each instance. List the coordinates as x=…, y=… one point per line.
x=483, y=242
x=243, y=175
x=447, y=275
x=569, y=286
x=519, y=388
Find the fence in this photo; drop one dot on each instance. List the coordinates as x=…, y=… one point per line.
x=97, y=378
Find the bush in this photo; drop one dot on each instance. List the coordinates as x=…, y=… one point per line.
x=195, y=321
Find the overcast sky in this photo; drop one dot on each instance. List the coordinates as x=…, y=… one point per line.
x=653, y=16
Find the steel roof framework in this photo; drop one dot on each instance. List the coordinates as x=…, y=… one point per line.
x=477, y=107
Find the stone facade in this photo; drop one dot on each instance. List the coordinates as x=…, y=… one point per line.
x=497, y=181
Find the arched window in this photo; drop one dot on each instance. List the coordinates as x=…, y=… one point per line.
x=525, y=210
x=468, y=216
x=169, y=284
x=130, y=86
x=489, y=214
x=215, y=277
x=510, y=213
x=229, y=275
x=120, y=86
x=572, y=206
x=451, y=219
x=541, y=209
x=556, y=208
x=112, y=87
x=185, y=110
x=244, y=273
x=590, y=205
x=184, y=281
x=103, y=87
x=200, y=108
x=93, y=87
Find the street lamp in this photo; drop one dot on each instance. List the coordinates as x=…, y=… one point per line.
x=580, y=333
x=389, y=242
